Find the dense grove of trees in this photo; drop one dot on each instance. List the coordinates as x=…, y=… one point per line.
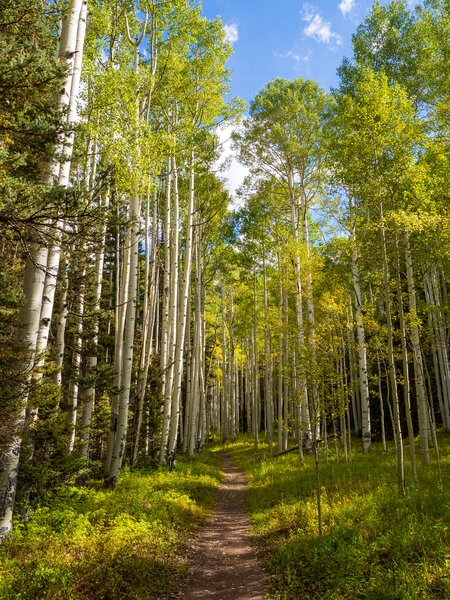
x=142, y=315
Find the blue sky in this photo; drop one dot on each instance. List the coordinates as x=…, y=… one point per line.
x=283, y=38
x=287, y=38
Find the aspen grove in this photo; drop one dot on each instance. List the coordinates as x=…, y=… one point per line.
x=146, y=312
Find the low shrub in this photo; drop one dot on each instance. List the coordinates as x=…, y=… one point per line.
x=375, y=545
x=97, y=544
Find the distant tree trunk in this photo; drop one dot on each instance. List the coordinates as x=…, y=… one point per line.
x=406, y=386
x=300, y=337
x=417, y=357
x=391, y=359
x=356, y=420
x=88, y=392
x=182, y=315
x=33, y=287
x=380, y=393
x=280, y=363
x=268, y=389
x=286, y=375
x=232, y=386
x=149, y=323
x=122, y=289
x=173, y=319
x=225, y=419
x=165, y=323
x=74, y=382
x=118, y=442
x=362, y=362
x=439, y=344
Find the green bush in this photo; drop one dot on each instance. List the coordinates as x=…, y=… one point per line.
x=97, y=544
x=375, y=544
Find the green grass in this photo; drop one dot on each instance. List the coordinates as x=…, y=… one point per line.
x=97, y=544
x=375, y=545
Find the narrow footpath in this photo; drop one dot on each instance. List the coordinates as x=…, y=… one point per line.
x=224, y=565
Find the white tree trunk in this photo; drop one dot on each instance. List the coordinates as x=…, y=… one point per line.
x=300, y=337
x=439, y=343
x=406, y=386
x=225, y=419
x=362, y=361
x=165, y=303
x=120, y=438
x=182, y=316
x=88, y=392
x=391, y=359
x=268, y=390
x=34, y=281
x=62, y=322
x=76, y=363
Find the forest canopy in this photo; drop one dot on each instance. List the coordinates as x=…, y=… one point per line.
x=145, y=311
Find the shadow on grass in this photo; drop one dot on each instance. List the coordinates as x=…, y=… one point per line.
x=99, y=544
x=376, y=545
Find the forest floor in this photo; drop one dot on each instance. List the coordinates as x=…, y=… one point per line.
x=154, y=537
x=91, y=543
x=223, y=563
x=375, y=545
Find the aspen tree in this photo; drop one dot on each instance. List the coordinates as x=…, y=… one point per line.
x=123, y=355
x=149, y=315
x=390, y=355
x=88, y=391
x=182, y=316
x=406, y=385
x=173, y=324
x=232, y=372
x=225, y=416
x=76, y=364
x=268, y=389
x=34, y=282
x=362, y=361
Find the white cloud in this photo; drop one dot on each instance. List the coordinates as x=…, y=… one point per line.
x=346, y=6
x=294, y=55
x=234, y=172
x=291, y=54
x=317, y=28
x=231, y=33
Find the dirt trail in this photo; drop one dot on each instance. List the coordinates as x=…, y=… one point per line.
x=224, y=564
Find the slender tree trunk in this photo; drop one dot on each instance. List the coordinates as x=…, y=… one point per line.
x=268, y=391
x=406, y=386
x=232, y=386
x=417, y=357
x=76, y=364
x=33, y=287
x=280, y=364
x=300, y=337
x=62, y=321
x=380, y=393
x=150, y=317
x=391, y=359
x=182, y=312
x=225, y=419
x=88, y=393
x=173, y=321
x=362, y=362
x=439, y=345
x=122, y=299
x=128, y=346
x=355, y=414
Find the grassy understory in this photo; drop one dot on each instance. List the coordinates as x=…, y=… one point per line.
x=375, y=545
x=89, y=543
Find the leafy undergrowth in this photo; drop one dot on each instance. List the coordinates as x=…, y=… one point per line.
x=375, y=545
x=82, y=543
